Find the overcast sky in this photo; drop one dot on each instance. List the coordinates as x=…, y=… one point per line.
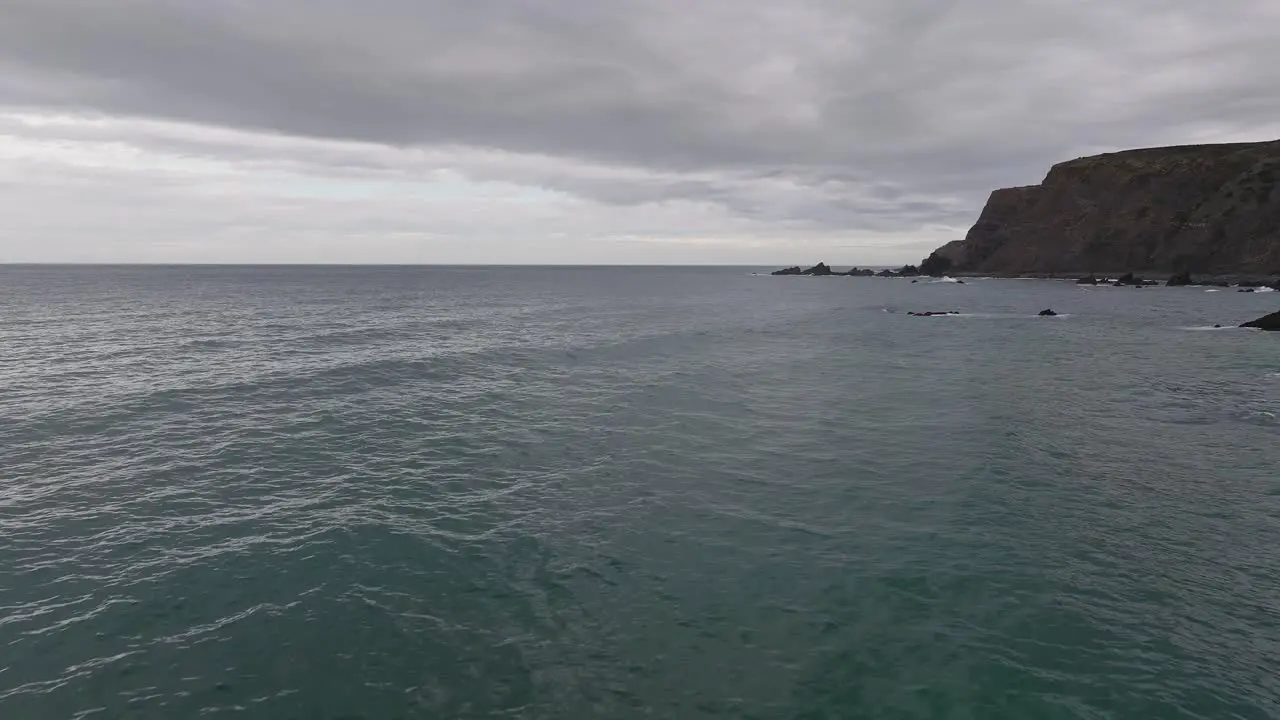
x=597, y=131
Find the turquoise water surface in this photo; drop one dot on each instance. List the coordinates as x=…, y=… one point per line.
x=299, y=492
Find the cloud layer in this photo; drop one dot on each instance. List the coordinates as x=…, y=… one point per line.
x=746, y=131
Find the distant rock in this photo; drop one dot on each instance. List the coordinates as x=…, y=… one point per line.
x=1048, y=313
x=1266, y=322
x=1181, y=279
x=819, y=270
x=1089, y=280
x=931, y=313
x=860, y=272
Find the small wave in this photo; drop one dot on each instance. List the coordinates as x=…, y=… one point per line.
x=1264, y=289
x=946, y=279
x=1259, y=417
x=1213, y=290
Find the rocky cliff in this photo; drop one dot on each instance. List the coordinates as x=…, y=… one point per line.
x=1209, y=209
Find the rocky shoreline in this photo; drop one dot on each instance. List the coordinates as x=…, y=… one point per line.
x=1193, y=215
x=1242, y=283
x=1119, y=279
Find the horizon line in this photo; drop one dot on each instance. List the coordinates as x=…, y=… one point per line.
x=57, y=263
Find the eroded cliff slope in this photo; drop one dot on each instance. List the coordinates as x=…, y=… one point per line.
x=1210, y=209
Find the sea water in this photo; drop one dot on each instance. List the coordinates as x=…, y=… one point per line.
x=307, y=492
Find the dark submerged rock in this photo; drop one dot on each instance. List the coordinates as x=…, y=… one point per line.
x=1266, y=322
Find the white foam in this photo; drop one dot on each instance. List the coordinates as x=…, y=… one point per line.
x=1264, y=289
x=1213, y=290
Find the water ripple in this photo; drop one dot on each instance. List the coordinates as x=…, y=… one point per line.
x=329, y=492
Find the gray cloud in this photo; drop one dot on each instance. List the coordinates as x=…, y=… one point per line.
x=839, y=122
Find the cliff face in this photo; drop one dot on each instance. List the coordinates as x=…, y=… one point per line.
x=1211, y=209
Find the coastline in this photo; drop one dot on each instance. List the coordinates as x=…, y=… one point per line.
x=1146, y=278
x=1160, y=277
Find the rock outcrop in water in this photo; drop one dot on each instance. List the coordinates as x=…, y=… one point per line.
x=1205, y=209
x=1266, y=322
x=819, y=269
x=823, y=269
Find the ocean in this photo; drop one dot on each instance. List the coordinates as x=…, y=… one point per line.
x=403, y=492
